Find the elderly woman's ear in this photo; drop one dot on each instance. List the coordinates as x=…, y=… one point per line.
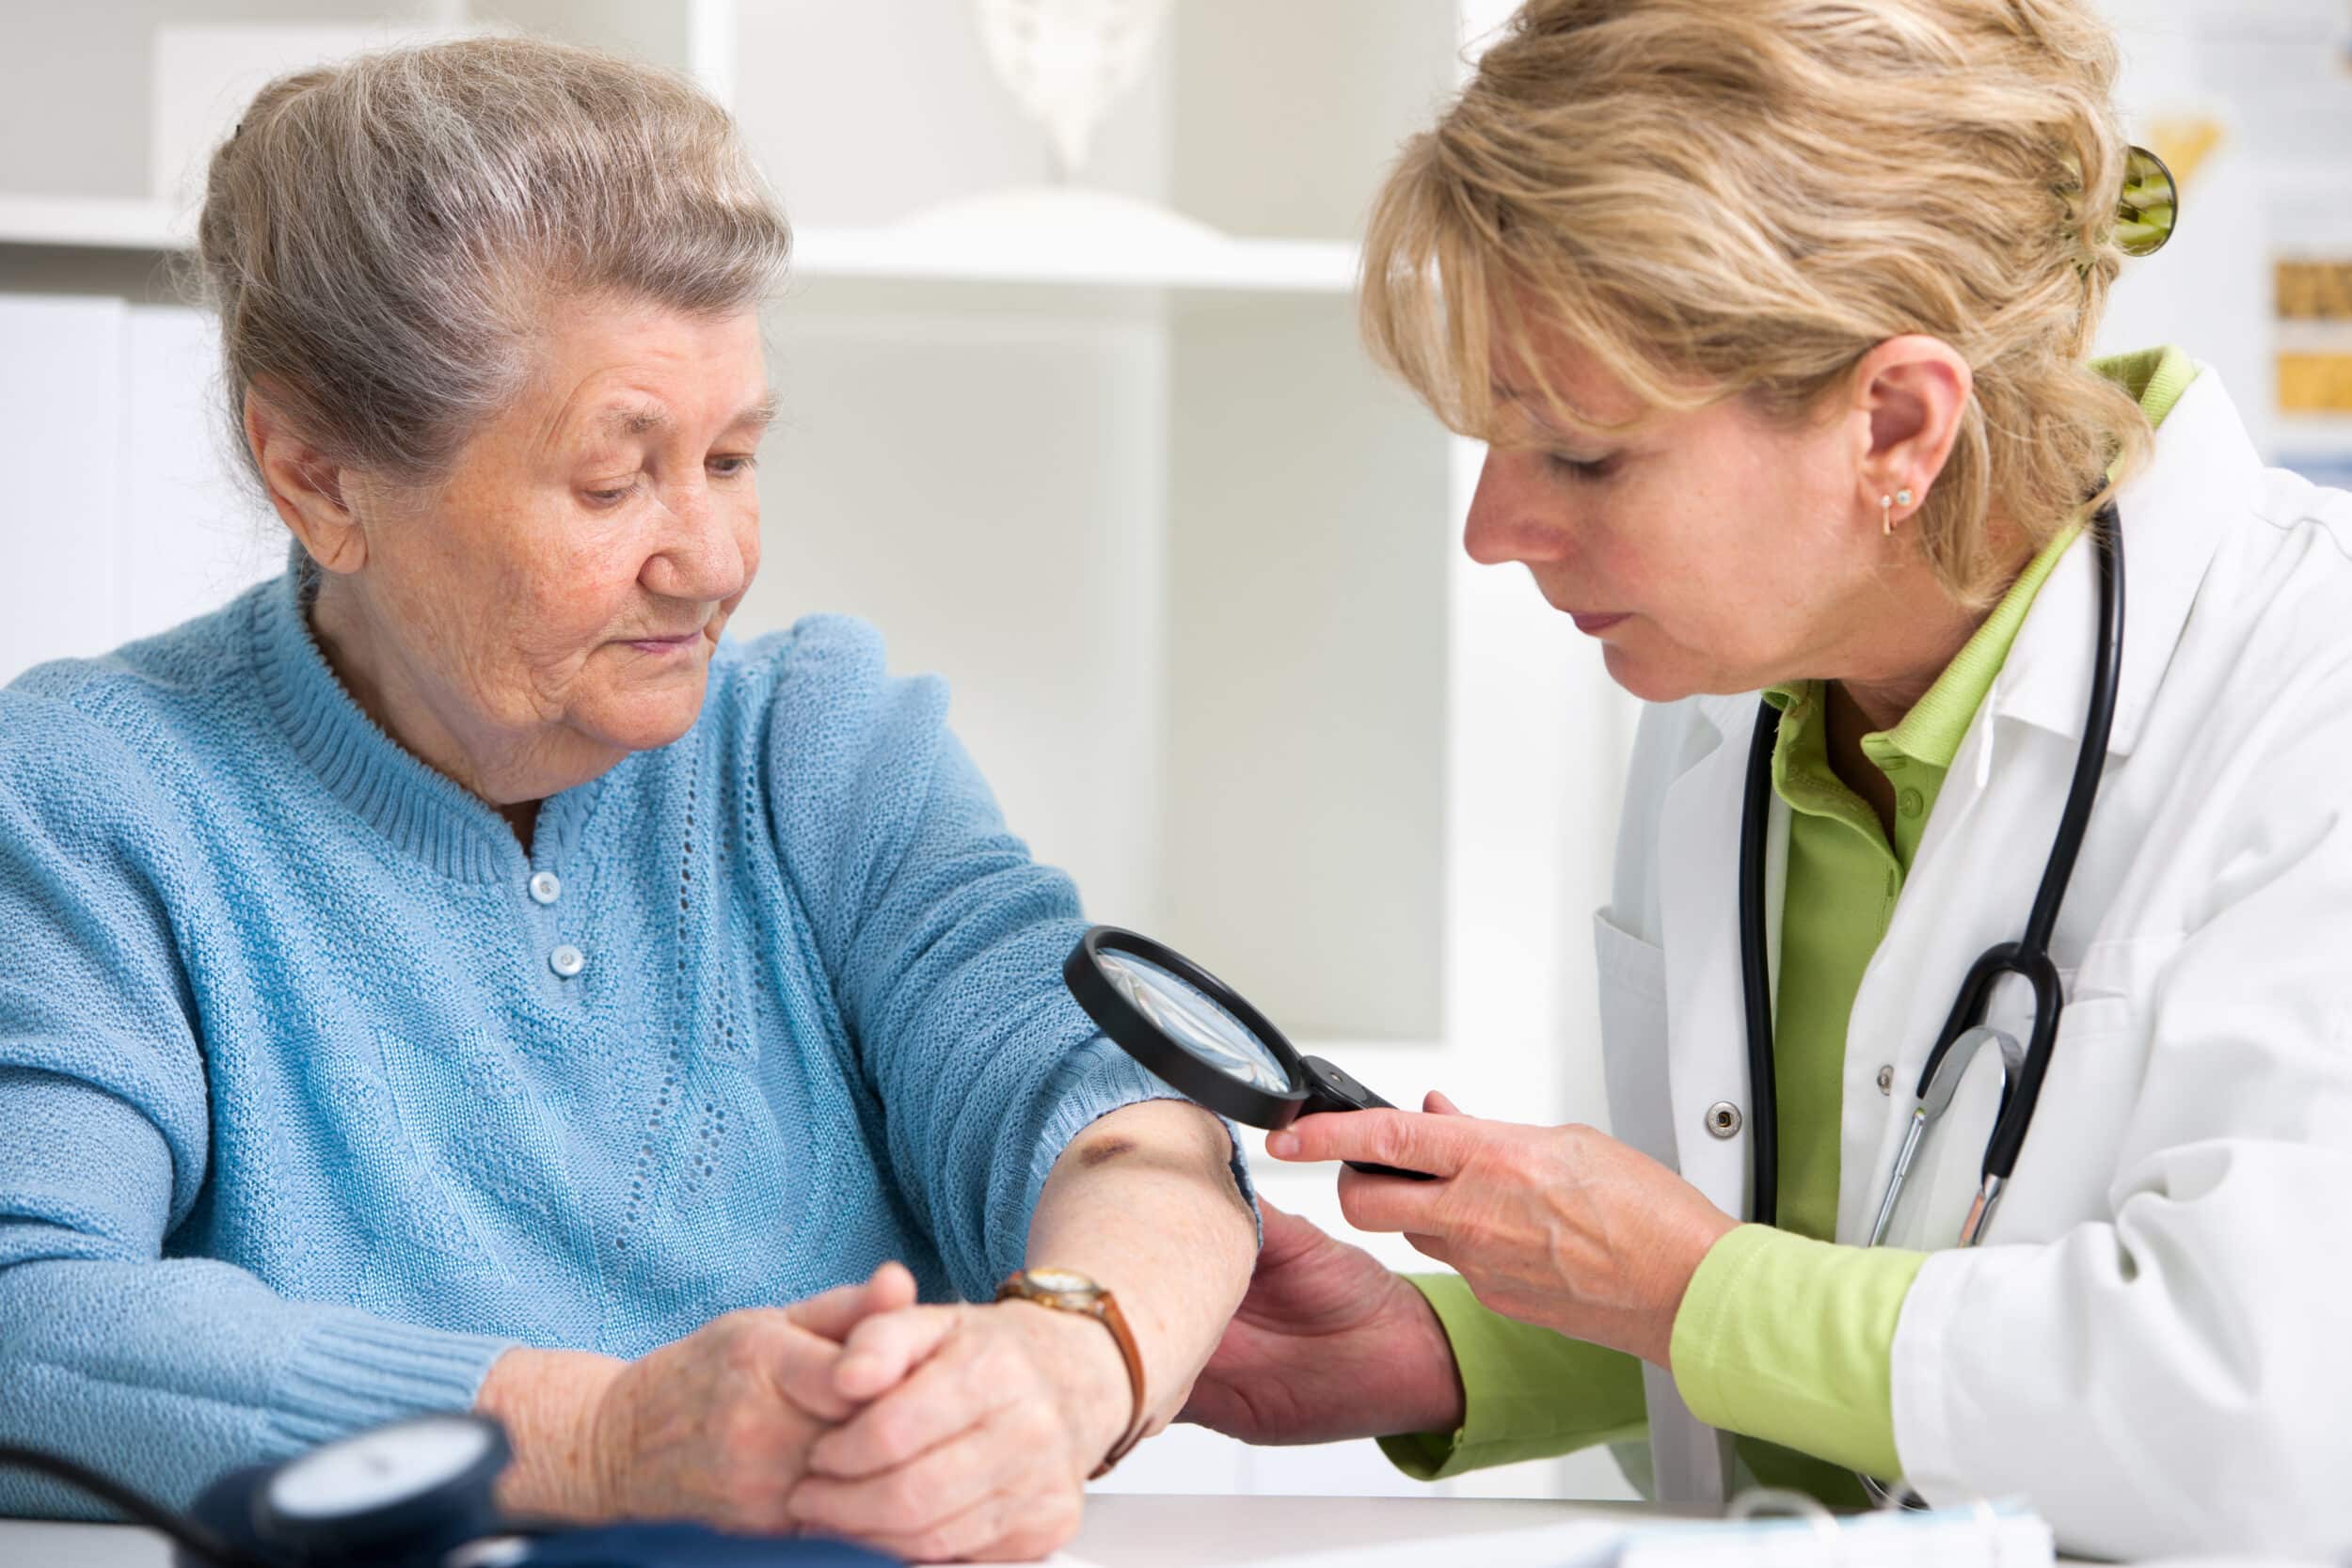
x=311, y=492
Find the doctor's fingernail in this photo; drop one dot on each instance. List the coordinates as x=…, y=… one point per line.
x=1282, y=1144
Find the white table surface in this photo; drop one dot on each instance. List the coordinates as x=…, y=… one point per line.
x=1121, y=1531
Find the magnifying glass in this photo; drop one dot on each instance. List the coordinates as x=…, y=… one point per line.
x=1201, y=1038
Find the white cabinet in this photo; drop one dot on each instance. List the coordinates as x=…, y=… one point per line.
x=122, y=517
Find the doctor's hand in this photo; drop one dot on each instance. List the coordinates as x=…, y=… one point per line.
x=1327, y=1344
x=975, y=1430
x=1557, y=1226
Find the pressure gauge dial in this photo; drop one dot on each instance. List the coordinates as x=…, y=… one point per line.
x=424, y=1478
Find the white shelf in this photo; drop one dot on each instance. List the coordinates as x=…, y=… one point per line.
x=2314, y=336
x=93, y=222
x=1265, y=266
x=911, y=255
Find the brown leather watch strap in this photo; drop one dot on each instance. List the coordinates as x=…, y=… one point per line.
x=1091, y=1301
x=1109, y=1316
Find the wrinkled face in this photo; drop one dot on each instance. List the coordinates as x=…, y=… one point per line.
x=1708, y=551
x=561, y=591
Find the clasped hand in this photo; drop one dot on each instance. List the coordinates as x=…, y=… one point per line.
x=929, y=1431
x=1563, y=1227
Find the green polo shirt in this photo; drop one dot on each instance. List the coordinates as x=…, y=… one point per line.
x=1784, y=1338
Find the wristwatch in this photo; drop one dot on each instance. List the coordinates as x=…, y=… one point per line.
x=1068, y=1291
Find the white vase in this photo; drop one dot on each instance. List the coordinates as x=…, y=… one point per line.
x=1067, y=61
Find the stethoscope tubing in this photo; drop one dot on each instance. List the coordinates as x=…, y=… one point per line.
x=2027, y=959
x=1755, y=984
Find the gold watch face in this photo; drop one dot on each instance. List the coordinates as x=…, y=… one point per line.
x=1062, y=1282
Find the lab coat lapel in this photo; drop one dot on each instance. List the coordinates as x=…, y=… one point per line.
x=1706, y=1050
x=1699, y=915
x=2172, y=512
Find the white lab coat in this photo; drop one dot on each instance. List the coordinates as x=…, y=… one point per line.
x=2155, y=1342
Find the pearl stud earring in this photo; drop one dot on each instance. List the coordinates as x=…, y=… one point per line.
x=1886, y=510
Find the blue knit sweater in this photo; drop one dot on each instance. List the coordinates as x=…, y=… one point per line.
x=303, y=1121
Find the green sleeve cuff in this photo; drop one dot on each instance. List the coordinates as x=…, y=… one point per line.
x=1528, y=1393
x=1792, y=1340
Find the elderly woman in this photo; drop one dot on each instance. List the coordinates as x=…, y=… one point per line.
x=452, y=975
x=1777, y=314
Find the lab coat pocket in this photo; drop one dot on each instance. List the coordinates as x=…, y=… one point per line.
x=2067, y=1170
x=1633, y=1037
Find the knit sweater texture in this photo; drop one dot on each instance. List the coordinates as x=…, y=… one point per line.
x=303, y=1122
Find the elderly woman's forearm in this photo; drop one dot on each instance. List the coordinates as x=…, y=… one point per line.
x=176, y=1371
x=1144, y=1202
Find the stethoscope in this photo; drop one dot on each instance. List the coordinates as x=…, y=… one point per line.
x=2023, y=1068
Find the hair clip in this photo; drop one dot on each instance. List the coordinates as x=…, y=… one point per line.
x=2149, y=206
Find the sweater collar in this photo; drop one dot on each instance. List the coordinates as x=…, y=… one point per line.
x=422, y=812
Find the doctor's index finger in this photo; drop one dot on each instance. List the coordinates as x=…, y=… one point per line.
x=1438, y=1145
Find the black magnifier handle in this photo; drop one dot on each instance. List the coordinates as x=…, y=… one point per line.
x=1329, y=1089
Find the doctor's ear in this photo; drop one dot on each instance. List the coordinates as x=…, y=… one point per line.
x=308, y=489
x=1909, y=396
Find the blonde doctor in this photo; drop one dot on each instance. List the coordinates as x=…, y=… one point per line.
x=1777, y=314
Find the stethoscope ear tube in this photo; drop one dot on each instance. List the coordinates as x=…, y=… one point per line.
x=1934, y=1100
x=1755, y=812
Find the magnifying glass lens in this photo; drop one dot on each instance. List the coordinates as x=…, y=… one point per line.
x=1202, y=1038
x=1189, y=1018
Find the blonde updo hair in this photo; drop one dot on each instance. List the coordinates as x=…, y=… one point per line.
x=1722, y=199
x=383, y=238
